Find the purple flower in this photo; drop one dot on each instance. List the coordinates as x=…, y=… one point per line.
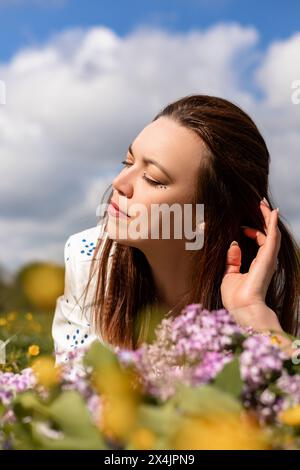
x=192, y=348
x=261, y=361
x=11, y=384
x=212, y=363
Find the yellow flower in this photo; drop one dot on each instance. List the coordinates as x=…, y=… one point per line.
x=291, y=416
x=42, y=283
x=142, y=439
x=275, y=340
x=47, y=374
x=28, y=316
x=11, y=316
x=115, y=382
x=3, y=321
x=33, y=350
x=224, y=431
x=118, y=417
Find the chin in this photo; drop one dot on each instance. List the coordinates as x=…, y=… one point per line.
x=119, y=232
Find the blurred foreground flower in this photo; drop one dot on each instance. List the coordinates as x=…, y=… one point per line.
x=45, y=371
x=42, y=283
x=203, y=383
x=291, y=416
x=227, y=432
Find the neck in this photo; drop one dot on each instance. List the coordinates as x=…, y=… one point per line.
x=171, y=268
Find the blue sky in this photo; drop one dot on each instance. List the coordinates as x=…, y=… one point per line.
x=28, y=22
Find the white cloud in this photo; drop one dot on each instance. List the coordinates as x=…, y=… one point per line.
x=280, y=68
x=74, y=104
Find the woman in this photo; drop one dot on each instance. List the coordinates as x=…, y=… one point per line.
x=206, y=151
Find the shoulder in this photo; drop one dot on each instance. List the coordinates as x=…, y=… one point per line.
x=81, y=245
x=78, y=254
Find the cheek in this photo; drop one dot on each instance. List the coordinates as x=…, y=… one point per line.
x=148, y=195
x=147, y=216
x=172, y=215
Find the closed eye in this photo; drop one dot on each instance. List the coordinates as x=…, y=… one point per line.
x=149, y=181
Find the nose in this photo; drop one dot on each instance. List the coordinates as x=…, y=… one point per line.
x=122, y=185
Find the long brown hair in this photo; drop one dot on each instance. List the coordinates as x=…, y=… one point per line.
x=231, y=183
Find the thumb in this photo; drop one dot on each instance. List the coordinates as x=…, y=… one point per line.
x=233, y=259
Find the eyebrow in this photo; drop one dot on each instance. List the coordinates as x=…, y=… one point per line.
x=153, y=162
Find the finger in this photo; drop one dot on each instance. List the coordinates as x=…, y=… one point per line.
x=266, y=211
x=233, y=259
x=266, y=257
x=273, y=239
x=255, y=234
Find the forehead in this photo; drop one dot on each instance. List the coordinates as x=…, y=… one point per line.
x=177, y=148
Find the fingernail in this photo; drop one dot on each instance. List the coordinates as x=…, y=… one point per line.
x=277, y=208
x=266, y=202
x=234, y=243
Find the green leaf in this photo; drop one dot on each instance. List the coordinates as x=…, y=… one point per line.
x=162, y=420
x=64, y=423
x=229, y=378
x=204, y=399
x=99, y=356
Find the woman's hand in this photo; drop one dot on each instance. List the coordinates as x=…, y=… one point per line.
x=243, y=295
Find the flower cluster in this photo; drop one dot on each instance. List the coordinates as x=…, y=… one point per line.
x=72, y=376
x=11, y=384
x=207, y=351
x=269, y=387
x=191, y=348
x=195, y=346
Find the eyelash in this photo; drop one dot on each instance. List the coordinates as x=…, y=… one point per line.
x=151, y=182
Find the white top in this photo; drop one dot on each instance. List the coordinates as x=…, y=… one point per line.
x=72, y=327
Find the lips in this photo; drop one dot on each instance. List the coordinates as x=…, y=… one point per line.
x=117, y=208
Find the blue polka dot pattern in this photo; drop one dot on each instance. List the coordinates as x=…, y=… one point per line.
x=75, y=337
x=85, y=249
x=76, y=332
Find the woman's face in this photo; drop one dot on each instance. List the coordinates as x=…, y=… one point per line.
x=178, y=152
